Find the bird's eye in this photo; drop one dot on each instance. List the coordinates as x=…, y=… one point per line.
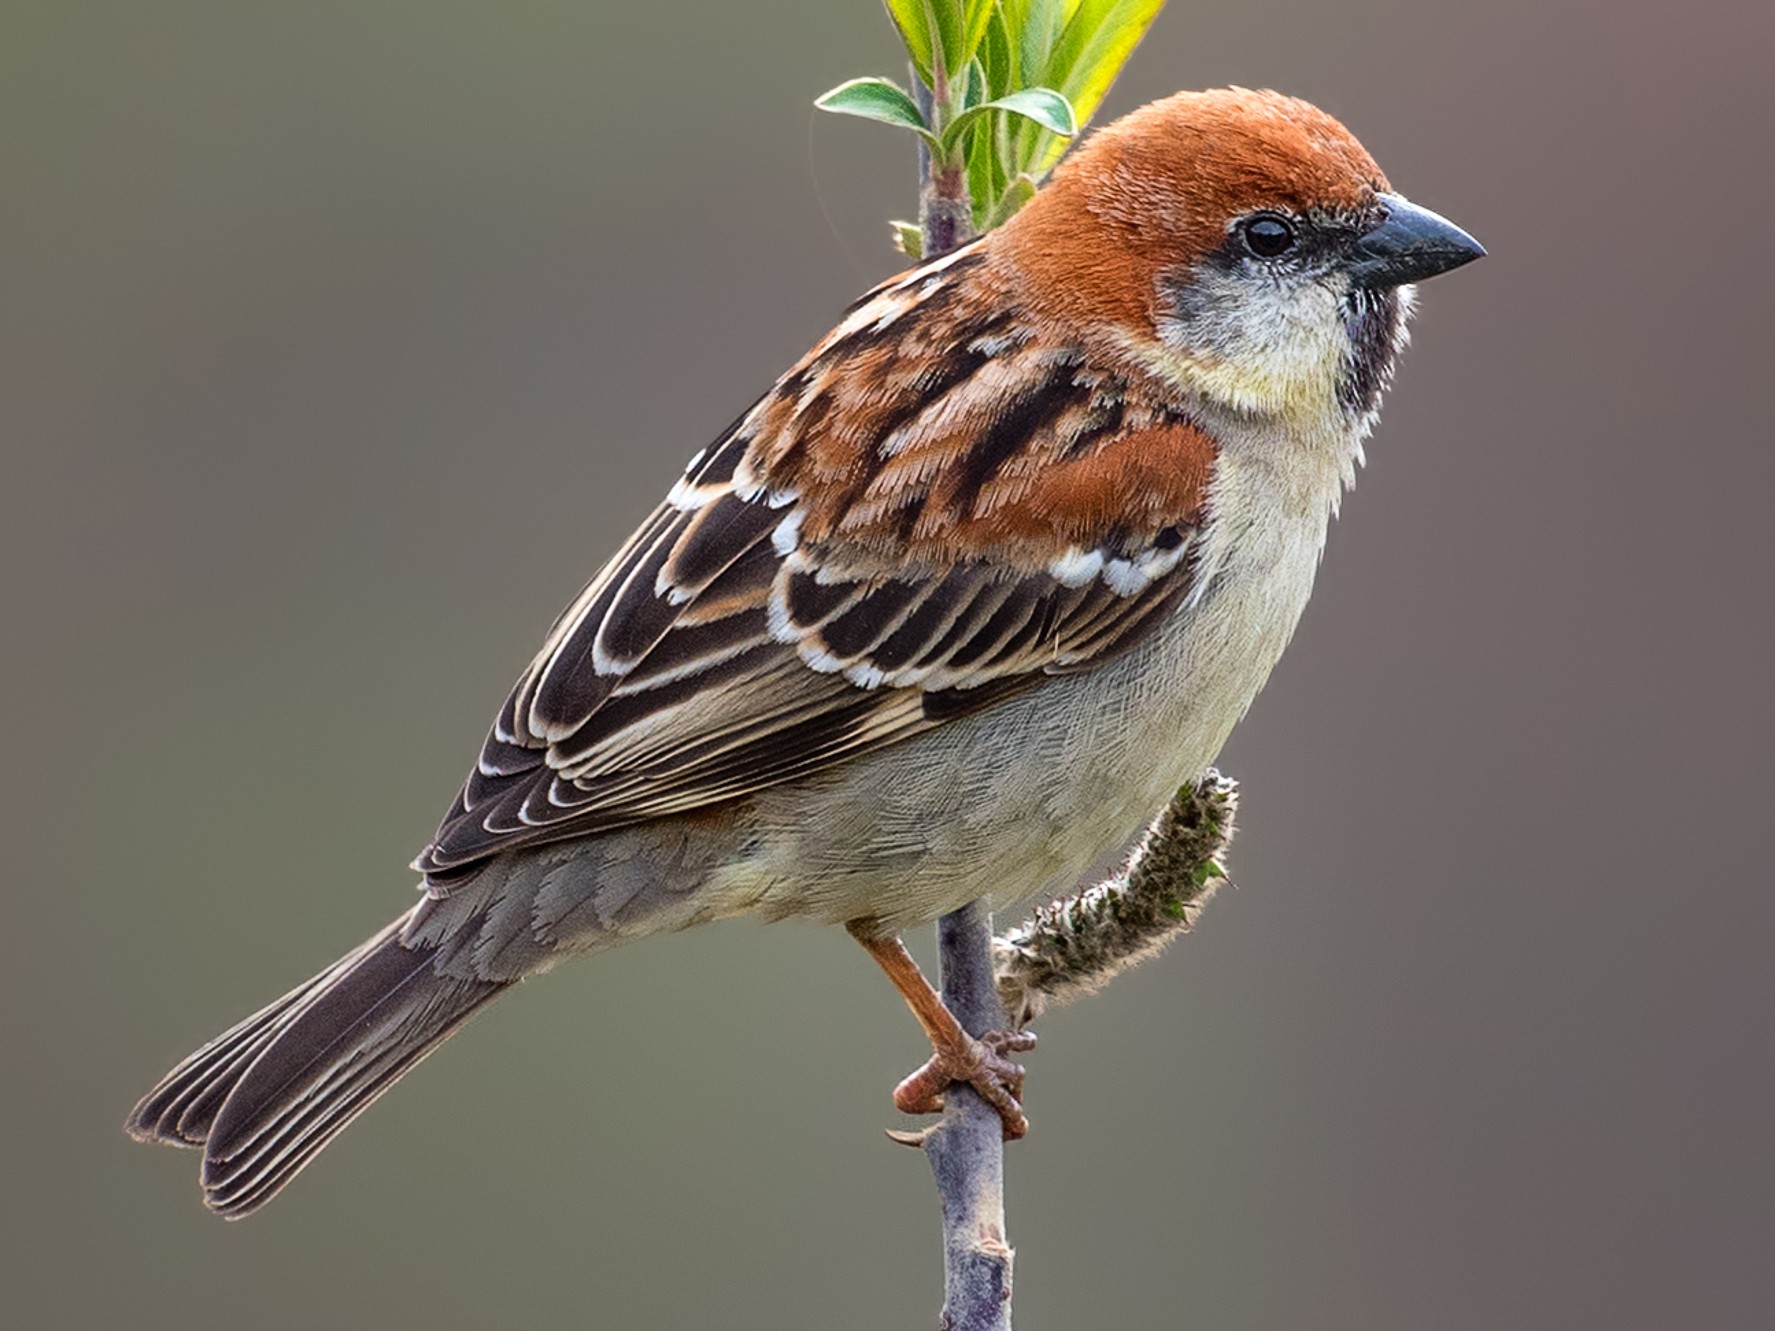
x=1268, y=236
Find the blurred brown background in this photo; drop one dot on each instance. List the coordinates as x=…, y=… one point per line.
x=340, y=342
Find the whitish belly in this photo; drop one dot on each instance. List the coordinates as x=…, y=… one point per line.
x=1025, y=797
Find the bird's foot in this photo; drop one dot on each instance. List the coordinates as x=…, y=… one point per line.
x=978, y=1063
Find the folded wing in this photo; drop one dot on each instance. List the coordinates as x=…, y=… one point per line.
x=937, y=508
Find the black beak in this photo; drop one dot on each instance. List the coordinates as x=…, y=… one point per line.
x=1411, y=244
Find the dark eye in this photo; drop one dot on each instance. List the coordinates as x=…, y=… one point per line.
x=1268, y=236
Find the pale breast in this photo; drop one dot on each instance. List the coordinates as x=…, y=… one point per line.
x=1014, y=801
x=1024, y=797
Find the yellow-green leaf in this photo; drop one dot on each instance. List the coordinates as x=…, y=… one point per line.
x=1093, y=47
x=1019, y=192
x=911, y=19
x=975, y=17
x=1037, y=27
x=998, y=58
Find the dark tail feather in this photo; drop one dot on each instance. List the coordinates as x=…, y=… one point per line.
x=264, y=1097
x=181, y=1109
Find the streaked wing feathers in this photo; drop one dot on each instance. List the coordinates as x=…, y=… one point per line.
x=932, y=511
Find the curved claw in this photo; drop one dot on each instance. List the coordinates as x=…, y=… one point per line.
x=978, y=1063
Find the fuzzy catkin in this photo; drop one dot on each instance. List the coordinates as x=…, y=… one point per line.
x=1078, y=944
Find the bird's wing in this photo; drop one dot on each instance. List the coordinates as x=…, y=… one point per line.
x=936, y=508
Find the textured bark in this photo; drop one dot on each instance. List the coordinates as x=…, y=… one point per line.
x=945, y=214
x=966, y=1149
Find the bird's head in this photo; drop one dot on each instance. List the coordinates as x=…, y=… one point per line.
x=1242, y=244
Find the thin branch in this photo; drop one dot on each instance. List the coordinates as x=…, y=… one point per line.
x=967, y=1149
x=945, y=214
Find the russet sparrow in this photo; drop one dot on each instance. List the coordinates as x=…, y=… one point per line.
x=947, y=614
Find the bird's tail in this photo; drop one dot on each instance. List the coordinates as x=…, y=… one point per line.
x=263, y=1098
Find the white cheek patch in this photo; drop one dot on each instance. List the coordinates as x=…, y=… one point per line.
x=1258, y=346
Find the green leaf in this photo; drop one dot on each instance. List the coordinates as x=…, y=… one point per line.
x=1045, y=64
x=1037, y=27
x=944, y=23
x=975, y=16
x=912, y=18
x=985, y=173
x=876, y=99
x=941, y=34
x=949, y=20
x=1019, y=192
x=908, y=239
x=975, y=89
x=1050, y=109
x=1044, y=106
x=1094, y=46
x=998, y=58
x=1081, y=57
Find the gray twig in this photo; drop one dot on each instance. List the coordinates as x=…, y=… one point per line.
x=967, y=1149
x=945, y=214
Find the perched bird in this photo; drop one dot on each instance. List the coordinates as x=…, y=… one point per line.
x=947, y=614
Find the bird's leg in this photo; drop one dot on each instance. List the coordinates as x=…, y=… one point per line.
x=956, y=1056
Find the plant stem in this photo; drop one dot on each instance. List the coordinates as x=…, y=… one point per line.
x=967, y=1149
x=945, y=213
